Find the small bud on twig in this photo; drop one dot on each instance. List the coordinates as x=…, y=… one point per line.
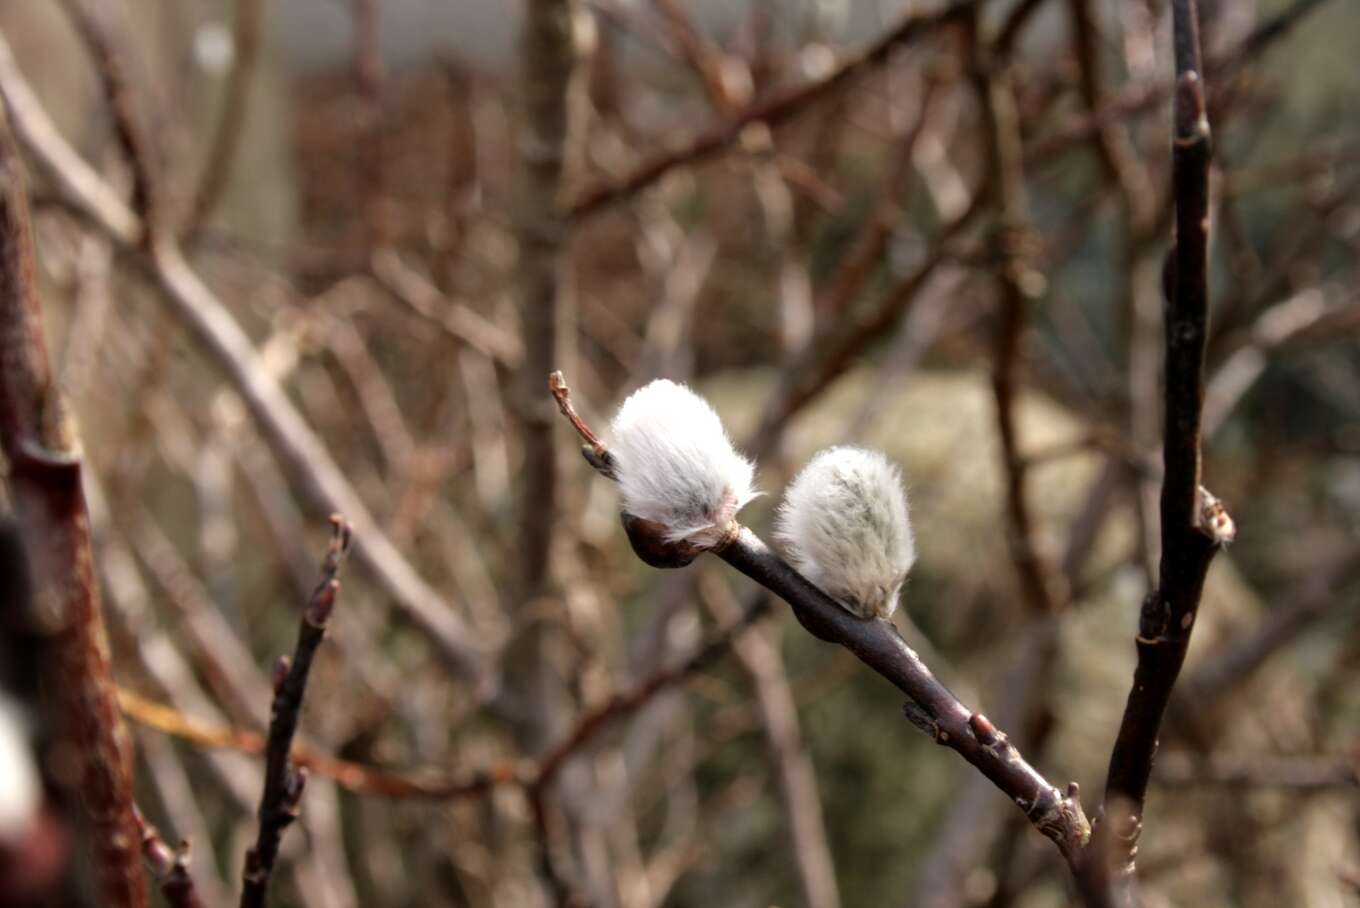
x=281, y=666
x=846, y=527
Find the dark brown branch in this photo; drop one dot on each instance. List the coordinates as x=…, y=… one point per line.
x=39, y=440
x=772, y=111
x=169, y=866
x=1193, y=523
x=931, y=708
x=284, y=781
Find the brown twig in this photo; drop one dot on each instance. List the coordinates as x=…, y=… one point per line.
x=456, y=319
x=772, y=111
x=169, y=866
x=283, y=426
x=1194, y=525
x=426, y=784
x=1017, y=285
x=931, y=707
x=1143, y=98
x=216, y=174
x=355, y=777
x=283, y=781
x=110, y=63
x=758, y=653
x=39, y=440
x=595, y=452
x=548, y=153
x=369, y=76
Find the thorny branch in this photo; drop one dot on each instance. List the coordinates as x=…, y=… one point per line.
x=283, y=781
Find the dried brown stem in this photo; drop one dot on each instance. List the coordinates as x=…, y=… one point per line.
x=39, y=440
x=284, y=781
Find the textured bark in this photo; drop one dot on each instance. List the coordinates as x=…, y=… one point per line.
x=39, y=440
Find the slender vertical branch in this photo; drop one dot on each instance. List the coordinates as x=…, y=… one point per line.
x=1017, y=286
x=110, y=62
x=1194, y=523
x=39, y=440
x=216, y=174
x=547, y=69
x=546, y=63
x=283, y=779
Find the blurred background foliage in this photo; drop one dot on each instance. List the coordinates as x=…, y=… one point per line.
x=719, y=274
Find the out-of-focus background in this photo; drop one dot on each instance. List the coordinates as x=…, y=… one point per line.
x=400, y=203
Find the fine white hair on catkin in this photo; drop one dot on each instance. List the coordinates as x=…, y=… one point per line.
x=676, y=466
x=18, y=775
x=845, y=525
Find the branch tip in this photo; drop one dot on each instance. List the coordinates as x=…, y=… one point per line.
x=594, y=450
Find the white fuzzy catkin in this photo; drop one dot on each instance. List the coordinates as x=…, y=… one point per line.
x=20, y=788
x=676, y=466
x=845, y=525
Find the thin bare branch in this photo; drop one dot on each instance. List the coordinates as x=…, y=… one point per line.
x=283, y=781
x=110, y=58
x=293, y=441
x=217, y=170
x=772, y=111
x=931, y=707
x=1194, y=524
